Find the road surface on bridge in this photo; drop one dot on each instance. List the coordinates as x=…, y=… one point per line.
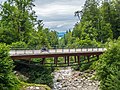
x=54, y=51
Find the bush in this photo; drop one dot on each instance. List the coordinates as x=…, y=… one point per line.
x=108, y=67
x=40, y=75
x=19, y=45
x=8, y=81
x=36, y=74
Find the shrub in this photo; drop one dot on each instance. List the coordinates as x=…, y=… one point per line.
x=41, y=75
x=36, y=74
x=7, y=79
x=108, y=67
x=19, y=45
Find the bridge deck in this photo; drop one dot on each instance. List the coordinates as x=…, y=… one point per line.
x=56, y=53
x=17, y=54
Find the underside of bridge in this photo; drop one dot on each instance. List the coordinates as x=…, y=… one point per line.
x=66, y=58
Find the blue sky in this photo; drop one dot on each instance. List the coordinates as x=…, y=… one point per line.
x=57, y=14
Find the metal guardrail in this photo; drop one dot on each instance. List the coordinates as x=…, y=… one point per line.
x=27, y=51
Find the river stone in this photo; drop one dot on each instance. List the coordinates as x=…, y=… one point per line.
x=74, y=80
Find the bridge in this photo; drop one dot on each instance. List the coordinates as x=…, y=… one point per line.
x=87, y=53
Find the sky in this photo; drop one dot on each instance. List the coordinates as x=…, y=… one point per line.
x=57, y=14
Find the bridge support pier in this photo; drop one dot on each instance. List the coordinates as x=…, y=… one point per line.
x=88, y=57
x=43, y=61
x=84, y=57
x=68, y=59
x=78, y=60
x=97, y=57
x=65, y=59
x=55, y=60
x=75, y=58
x=29, y=61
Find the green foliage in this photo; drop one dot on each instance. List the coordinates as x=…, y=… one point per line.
x=98, y=23
x=18, y=45
x=83, y=67
x=108, y=67
x=17, y=18
x=41, y=75
x=110, y=14
x=18, y=24
x=36, y=74
x=8, y=81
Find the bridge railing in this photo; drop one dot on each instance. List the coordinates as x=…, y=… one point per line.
x=54, y=50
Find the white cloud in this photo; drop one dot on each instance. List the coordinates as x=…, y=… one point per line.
x=53, y=9
x=57, y=14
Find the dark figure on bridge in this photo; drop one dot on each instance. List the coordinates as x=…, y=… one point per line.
x=44, y=49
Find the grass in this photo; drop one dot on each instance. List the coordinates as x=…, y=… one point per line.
x=25, y=85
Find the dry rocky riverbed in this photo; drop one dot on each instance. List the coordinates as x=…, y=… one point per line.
x=68, y=79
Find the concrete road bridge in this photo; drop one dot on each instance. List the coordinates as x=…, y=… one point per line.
x=87, y=53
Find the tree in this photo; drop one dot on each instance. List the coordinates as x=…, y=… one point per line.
x=53, y=38
x=18, y=19
x=8, y=81
x=78, y=14
x=95, y=22
x=108, y=67
x=115, y=18
x=77, y=31
x=110, y=14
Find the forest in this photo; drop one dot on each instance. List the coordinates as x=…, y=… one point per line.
x=98, y=26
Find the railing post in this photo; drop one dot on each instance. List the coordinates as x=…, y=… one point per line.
x=87, y=49
x=62, y=49
x=102, y=49
x=97, y=49
x=33, y=51
x=55, y=48
x=75, y=49
x=69, y=49
x=24, y=51
x=92, y=48
x=15, y=51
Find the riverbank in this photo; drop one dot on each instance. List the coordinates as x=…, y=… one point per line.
x=27, y=86
x=68, y=79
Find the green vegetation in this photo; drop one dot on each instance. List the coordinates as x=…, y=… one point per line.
x=8, y=81
x=108, y=67
x=35, y=74
x=20, y=28
x=19, y=23
x=98, y=24
x=42, y=87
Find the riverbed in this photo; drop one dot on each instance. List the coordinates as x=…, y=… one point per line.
x=68, y=79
